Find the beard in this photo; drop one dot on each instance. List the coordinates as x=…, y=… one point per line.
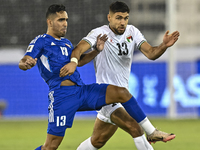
x=60, y=33
x=119, y=32
x=63, y=33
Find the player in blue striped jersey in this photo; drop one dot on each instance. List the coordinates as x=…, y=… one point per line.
x=52, y=54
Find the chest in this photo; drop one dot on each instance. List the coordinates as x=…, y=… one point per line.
x=122, y=47
x=59, y=52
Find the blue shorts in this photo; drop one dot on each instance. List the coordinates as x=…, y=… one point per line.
x=67, y=100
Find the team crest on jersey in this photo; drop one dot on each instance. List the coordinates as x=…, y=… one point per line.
x=30, y=48
x=68, y=45
x=129, y=39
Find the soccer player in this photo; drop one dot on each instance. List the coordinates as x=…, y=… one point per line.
x=113, y=66
x=67, y=93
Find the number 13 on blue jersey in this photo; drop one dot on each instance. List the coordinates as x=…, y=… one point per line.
x=61, y=121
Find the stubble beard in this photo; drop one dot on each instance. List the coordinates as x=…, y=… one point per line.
x=119, y=32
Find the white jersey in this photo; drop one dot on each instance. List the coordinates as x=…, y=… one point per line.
x=113, y=64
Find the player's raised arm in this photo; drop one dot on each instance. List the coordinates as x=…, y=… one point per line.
x=27, y=62
x=69, y=68
x=77, y=60
x=155, y=52
x=86, y=58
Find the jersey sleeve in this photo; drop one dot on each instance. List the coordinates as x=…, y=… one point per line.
x=35, y=47
x=91, y=38
x=139, y=38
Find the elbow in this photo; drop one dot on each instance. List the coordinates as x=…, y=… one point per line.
x=152, y=58
x=80, y=63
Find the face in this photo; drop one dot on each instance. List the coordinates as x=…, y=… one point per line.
x=118, y=22
x=57, y=24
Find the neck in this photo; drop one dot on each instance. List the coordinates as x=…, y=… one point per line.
x=113, y=30
x=53, y=35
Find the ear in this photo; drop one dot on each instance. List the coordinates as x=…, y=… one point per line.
x=109, y=17
x=49, y=22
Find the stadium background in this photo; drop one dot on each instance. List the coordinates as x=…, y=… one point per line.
x=25, y=93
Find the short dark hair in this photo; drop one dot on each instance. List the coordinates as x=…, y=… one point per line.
x=54, y=8
x=119, y=7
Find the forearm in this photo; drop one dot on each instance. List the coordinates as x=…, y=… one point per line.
x=86, y=58
x=157, y=51
x=69, y=68
x=78, y=52
x=82, y=47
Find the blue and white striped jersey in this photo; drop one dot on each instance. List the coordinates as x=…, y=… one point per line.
x=52, y=55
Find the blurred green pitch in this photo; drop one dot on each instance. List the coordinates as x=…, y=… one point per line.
x=27, y=135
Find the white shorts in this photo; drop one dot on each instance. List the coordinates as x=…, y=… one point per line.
x=106, y=111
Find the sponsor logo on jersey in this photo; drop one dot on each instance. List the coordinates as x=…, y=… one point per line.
x=111, y=41
x=30, y=48
x=52, y=43
x=114, y=104
x=68, y=45
x=129, y=39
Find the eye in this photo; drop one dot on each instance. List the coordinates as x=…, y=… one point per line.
x=62, y=19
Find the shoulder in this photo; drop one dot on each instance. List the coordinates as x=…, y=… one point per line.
x=38, y=39
x=36, y=45
x=67, y=42
x=100, y=30
x=132, y=28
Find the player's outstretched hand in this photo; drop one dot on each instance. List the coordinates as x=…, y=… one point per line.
x=101, y=41
x=68, y=69
x=170, y=39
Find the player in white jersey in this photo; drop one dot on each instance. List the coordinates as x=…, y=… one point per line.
x=117, y=54
x=113, y=66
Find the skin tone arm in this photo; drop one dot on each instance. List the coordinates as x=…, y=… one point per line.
x=155, y=52
x=78, y=51
x=86, y=58
x=27, y=62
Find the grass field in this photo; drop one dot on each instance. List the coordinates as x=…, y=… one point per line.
x=27, y=135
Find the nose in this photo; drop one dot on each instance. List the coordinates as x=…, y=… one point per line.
x=123, y=22
x=65, y=23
